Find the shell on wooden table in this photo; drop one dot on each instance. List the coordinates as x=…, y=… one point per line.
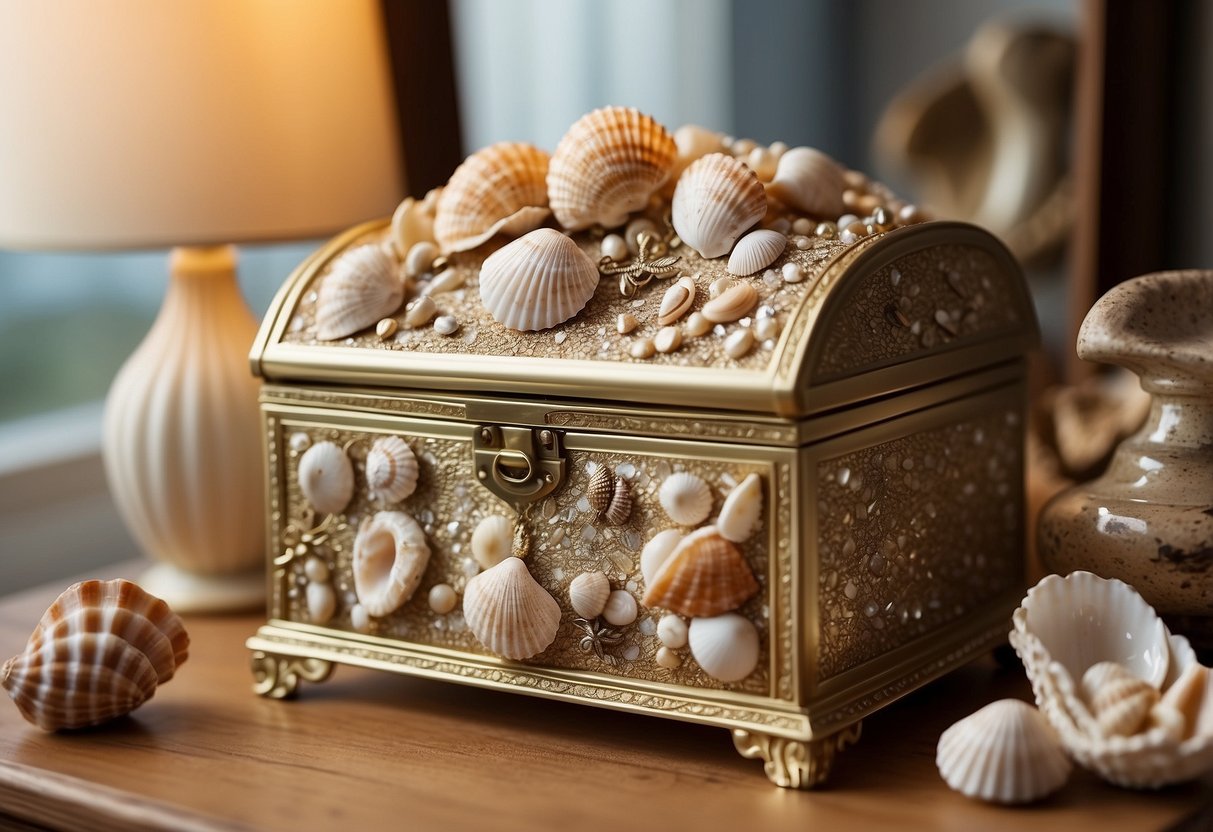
x=493, y=540
x=705, y=575
x=600, y=489
x=686, y=498
x=326, y=477
x=509, y=612
x=499, y=189
x=733, y=304
x=677, y=301
x=390, y=556
x=98, y=652
x=655, y=552
x=608, y=165
x=391, y=470
x=363, y=286
x=808, y=180
x=755, y=251
x=725, y=646
x=1004, y=753
x=742, y=510
x=588, y=594
x=538, y=281
x=717, y=200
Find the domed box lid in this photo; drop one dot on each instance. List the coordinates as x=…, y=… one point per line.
x=888, y=312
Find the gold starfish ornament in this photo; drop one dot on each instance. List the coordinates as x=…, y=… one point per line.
x=643, y=267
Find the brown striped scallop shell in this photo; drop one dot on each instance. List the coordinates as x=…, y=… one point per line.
x=500, y=189
x=705, y=575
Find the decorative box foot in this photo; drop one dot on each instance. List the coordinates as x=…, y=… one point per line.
x=278, y=677
x=793, y=764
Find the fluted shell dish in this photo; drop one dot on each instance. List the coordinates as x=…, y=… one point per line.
x=99, y=652
x=364, y=285
x=509, y=612
x=391, y=470
x=808, y=180
x=742, y=510
x=1065, y=626
x=1004, y=753
x=705, y=575
x=390, y=556
x=608, y=165
x=725, y=646
x=686, y=498
x=500, y=189
x=717, y=200
x=755, y=251
x=326, y=477
x=538, y=281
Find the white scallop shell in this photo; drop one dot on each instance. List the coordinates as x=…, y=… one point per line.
x=742, y=510
x=725, y=646
x=608, y=165
x=588, y=594
x=390, y=556
x=493, y=540
x=717, y=199
x=510, y=614
x=1064, y=626
x=686, y=498
x=391, y=470
x=538, y=281
x=810, y=181
x=1004, y=753
x=326, y=477
x=363, y=286
x=755, y=251
x=656, y=551
x=499, y=189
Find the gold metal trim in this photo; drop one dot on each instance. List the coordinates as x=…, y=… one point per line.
x=792, y=764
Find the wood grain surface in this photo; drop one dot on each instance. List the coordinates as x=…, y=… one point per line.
x=369, y=750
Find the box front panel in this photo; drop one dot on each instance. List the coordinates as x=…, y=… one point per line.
x=563, y=537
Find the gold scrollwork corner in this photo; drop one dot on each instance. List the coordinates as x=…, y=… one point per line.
x=793, y=764
x=278, y=677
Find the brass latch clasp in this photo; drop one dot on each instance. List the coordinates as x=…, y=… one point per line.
x=519, y=465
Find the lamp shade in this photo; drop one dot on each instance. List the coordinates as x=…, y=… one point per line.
x=141, y=123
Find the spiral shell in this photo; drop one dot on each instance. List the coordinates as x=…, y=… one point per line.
x=1119, y=700
x=755, y=251
x=601, y=487
x=326, y=477
x=608, y=165
x=742, y=510
x=686, y=498
x=98, y=652
x=509, y=613
x=538, y=281
x=1004, y=753
x=363, y=286
x=725, y=646
x=500, y=189
x=391, y=470
x=390, y=556
x=733, y=304
x=588, y=594
x=705, y=575
x=716, y=200
x=620, y=508
x=810, y=181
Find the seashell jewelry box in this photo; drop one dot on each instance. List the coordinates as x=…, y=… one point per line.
x=665, y=423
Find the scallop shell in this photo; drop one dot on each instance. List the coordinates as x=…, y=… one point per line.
x=1119, y=700
x=810, y=181
x=363, y=286
x=1004, y=753
x=493, y=540
x=1066, y=625
x=716, y=200
x=705, y=575
x=655, y=552
x=588, y=594
x=755, y=251
x=686, y=498
x=693, y=142
x=500, y=189
x=98, y=652
x=620, y=508
x=676, y=301
x=742, y=510
x=390, y=556
x=391, y=470
x=608, y=165
x=733, y=304
x=326, y=477
x=600, y=489
x=510, y=614
x=725, y=646
x=538, y=281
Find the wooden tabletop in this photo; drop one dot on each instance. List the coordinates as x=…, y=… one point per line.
x=370, y=750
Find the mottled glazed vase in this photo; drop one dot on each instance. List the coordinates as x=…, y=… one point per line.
x=1149, y=519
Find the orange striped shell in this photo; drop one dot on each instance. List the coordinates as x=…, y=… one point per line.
x=706, y=575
